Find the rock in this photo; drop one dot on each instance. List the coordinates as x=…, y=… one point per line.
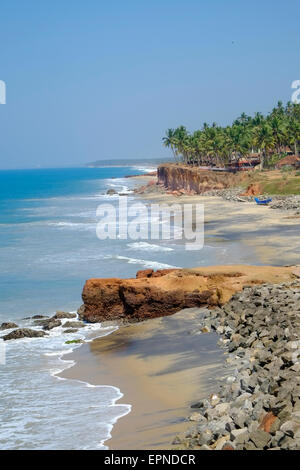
x=239, y=418
x=239, y=435
x=156, y=296
x=71, y=330
x=214, y=399
x=200, y=404
x=144, y=273
x=43, y=322
x=205, y=329
x=111, y=192
x=222, y=409
x=24, y=333
x=73, y=324
x=296, y=271
x=260, y=438
x=249, y=446
x=290, y=427
x=269, y=423
x=219, y=444
x=52, y=324
x=38, y=317
x=8, y=326
x=197, y=417
x=228, y=446
x=205, y=437
x=60, y=315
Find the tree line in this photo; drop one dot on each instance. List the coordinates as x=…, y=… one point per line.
x=270, y=136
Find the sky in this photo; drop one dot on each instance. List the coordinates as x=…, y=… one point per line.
x=94, y=79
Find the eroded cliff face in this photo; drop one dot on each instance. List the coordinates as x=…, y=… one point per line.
x=193, y=180
x=155, y=294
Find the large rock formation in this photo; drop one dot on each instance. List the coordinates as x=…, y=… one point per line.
x=194, y=180
x=166, y=292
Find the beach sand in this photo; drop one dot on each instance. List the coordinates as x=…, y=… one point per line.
x=273, y=235
x=162, y=366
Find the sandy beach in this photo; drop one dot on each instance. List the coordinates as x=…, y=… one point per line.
x=162, y=367
x=262, y=231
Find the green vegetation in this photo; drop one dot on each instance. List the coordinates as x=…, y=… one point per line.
x=274, y=182
x=282, y=187
x=269, y=136
x=74, y=341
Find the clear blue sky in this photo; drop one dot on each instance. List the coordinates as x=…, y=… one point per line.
x=95, y=79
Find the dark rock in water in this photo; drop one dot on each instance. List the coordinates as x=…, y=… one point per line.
x=80, y=311
x=8, y=326
x=60, y=315
x=73, y=324
x=42, y=322
x=52, y=324
x=39, y=317
x=24, y=333
x=71, y=330
x=111, y=192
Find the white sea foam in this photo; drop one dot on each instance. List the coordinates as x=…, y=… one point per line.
x=73, y=225
x=145, y=170
x=146, y=263
x=26, y=422
x=144, y=246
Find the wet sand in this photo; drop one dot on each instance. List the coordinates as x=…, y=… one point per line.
x=162, y=366
x=273, y=235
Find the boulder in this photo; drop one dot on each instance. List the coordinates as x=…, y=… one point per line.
x=60, y=315
x=269, y=423
x=52, y=324
x=260, y=438
x=8, y=326
x=156, y=294
x=24, y=333
x=73, y=324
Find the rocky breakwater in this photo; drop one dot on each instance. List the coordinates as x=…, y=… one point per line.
x=194, y=180
x=258, y=407
x=155, y=294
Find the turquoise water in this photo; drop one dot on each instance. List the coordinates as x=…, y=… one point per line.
x=48, y=243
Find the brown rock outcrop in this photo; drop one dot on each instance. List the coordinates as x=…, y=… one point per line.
x=151, y=273
x=193, y=180
x=168, y=291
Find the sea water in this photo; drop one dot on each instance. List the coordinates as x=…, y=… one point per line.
x=48, y=248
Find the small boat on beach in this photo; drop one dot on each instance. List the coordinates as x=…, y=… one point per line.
x=262, y=202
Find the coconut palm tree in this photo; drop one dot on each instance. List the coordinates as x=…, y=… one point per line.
x=265, y=141
x=170, y=141
x=216, y=145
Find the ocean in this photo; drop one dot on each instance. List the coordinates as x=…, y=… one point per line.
x=48, y=248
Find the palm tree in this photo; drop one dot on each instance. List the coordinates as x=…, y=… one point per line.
x=170, y=141
x=216, y=145
x=265, y=140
